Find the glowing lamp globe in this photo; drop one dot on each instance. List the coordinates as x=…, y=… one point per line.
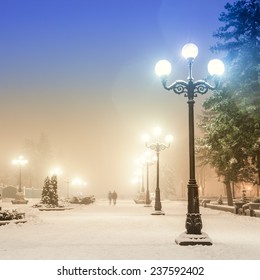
x=157, y=131
x=216, y=67
x=169, y=138
x=190, y=51
x=163, y=68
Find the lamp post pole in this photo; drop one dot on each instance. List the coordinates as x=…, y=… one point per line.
x=158, y=147
x=193, y=225
x=148, y=200
x=147, y=196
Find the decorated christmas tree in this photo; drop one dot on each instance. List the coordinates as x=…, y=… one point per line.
x=49, y=192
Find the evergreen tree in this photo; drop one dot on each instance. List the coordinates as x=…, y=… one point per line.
x=231, y=119
x=54, y=190
x=49, y=192
x=45, y=191
x=225, y=141
x=239, y=39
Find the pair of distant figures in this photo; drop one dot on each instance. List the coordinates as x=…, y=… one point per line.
x=112, y=197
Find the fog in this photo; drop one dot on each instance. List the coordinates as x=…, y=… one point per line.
x=82, y=74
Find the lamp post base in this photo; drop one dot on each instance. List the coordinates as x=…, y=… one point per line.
x=186, y=239
x=158, y=212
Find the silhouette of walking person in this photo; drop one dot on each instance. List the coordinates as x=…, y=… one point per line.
x=114, y=197
x=109, y=197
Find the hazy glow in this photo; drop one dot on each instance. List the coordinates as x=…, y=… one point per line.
x=163, y=68
x=146, y=138
x=147, y=153
x=91, y=99
x=216, y=67
x=190, y=51
x=140, y=160
x=56, y=171
x=136, y=180
x=20, y=161
x=169, y=138
x=78, y=182
x=157, y=131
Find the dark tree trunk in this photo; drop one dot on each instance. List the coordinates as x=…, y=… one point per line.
x=229, y=193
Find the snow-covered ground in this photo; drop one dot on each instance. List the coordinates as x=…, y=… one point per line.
x=126, y=231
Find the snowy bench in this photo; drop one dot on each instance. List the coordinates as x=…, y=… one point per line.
x=222, y=207
x=204, y=202
x=238, y=207
x=250, y=208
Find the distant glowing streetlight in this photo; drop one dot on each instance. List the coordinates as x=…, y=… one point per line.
x=56, y=171
x=20, y=161
x=78, y=182
x=19, y=199
x=158, y=146
x=191, y=88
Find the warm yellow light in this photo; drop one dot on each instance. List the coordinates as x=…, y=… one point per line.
x=20, y=161
x=157, y=131
x=169, y=138
x=136, y=180
x=146, y=138
x=56, y=171
x=78, y=182
x=163, y=68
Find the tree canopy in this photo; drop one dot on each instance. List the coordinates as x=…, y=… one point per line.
x=230, y=121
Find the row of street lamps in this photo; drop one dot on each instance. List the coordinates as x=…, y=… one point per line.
x=193, y=234
x=21, y=161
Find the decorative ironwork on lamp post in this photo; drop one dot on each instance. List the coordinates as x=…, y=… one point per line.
x=193, y=234
x=158, y=146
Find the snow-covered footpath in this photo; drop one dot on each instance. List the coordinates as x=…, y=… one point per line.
x=126, y=231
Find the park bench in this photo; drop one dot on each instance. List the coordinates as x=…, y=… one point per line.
x=204, y=202
x=249, y=208
x=239, y=207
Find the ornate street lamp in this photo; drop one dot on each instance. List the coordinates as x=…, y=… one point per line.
x=20, y=161
x=157, y=146
x=193, y=234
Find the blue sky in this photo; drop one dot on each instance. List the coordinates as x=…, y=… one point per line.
x=82, y=72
